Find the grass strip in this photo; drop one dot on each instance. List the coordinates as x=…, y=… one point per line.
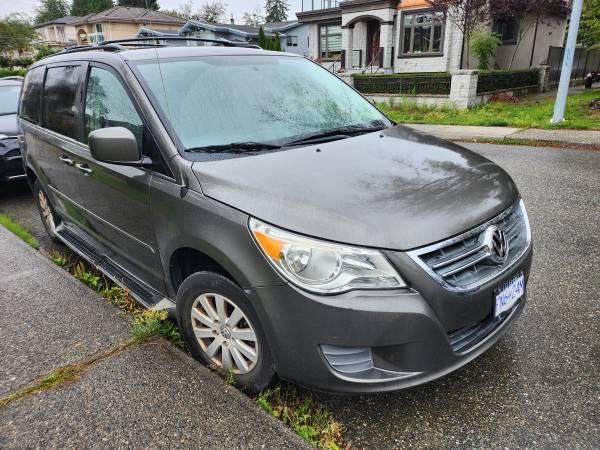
x=530, y=112
x=18, y=230
x=532, y=143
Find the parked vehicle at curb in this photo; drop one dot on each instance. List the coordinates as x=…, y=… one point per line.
x=294, y=229
x=11, y=166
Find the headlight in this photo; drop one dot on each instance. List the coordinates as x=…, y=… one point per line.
x=323, y=267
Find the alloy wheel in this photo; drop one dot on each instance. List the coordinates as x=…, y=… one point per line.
x=224, y=333
x=46, y=211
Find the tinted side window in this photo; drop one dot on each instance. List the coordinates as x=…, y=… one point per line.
x=60, y=92
x=108, y=105
x=31, y=95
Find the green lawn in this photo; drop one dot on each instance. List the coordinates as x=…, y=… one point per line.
x=533, y=112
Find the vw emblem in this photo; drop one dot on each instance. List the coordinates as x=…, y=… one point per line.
x=497, y=243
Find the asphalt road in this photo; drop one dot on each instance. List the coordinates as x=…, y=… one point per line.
x=539, y=387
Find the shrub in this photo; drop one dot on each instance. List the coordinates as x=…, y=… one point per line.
x=483, y=45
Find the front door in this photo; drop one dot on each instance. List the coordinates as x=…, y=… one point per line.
x=373, y=35
x=114, y=199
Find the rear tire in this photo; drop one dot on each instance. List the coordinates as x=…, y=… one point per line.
x=47, y=213
x=222, y=330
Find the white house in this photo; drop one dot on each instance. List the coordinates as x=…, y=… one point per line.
x=408, y=36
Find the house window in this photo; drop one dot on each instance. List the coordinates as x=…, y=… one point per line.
x=330, y=41
x=423, y=33
x=291, y=41
x=508, y=29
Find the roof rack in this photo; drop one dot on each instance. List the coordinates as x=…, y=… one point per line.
x=150, y=42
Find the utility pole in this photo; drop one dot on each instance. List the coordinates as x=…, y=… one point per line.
x=565, y=75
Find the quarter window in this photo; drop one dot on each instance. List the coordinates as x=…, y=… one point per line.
x=331, y=41
x=423, y=33
x=108, y=105
x=32, y=94
x=60, y=93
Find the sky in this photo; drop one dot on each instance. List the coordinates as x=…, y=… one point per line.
x=235, y=7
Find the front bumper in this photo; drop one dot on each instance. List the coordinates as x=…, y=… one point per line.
x=410, y=336
x=11, y=162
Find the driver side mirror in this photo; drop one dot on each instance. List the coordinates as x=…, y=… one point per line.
x=116, y=145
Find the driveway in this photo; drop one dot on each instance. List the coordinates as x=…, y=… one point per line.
x=539, y=387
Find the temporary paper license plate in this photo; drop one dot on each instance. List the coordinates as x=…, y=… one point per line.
x=509, y=293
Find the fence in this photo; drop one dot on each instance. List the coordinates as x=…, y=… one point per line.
x=413, y=84
x=493, y=81
x=584, y=61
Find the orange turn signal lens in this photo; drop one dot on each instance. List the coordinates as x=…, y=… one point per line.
x=271, y=246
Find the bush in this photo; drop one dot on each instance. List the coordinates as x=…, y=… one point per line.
x=483, y=45
x=43, y=51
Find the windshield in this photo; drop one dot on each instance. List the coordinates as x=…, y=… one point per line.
x=216, y=101
x=9, y=99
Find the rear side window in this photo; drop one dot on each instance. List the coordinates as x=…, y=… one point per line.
x=60, y=93
x=31, y=95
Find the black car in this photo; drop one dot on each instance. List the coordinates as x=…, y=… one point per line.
x=11, y=166
x=292, y=226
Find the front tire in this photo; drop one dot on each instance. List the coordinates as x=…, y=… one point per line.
x=222, y=330
x=49, y=217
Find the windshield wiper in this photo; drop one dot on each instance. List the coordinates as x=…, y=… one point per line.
x=234, y=147
x=335, y=134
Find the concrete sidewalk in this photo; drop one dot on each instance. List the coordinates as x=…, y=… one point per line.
x=147, y=396
x=468, y=133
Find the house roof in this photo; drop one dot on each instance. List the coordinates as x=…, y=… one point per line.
x=67, y=20
x=246, y=31
x=130, y=14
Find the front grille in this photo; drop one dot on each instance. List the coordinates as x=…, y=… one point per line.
x=465, y=262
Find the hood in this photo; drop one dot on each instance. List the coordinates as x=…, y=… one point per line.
x=8, y=124
x=396, y=189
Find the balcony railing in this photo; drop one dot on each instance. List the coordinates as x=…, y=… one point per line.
x=312, y=5
x=95, y=38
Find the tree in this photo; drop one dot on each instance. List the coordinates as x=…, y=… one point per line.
x=212, y=12
x=184, y=12
x=467, y=15
x=51, y=10
x=254, y=18
x=483, y=45
x=277, y=10
x=146, y=4
x=589, y=27
x=16, y=33
x=262, y=38
x=42, y=51
x=84, y=7
x=528, y=15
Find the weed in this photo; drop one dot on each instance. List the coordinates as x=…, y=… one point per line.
x=58, y=258
x=93, y=281
x=228, y=379
x=307, y=417
x=18, y=230
x=119, y=297
x=64, y=374
x=147, y=323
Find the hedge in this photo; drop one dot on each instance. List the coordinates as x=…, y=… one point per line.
x=12, y=72
x=404, y=84
x=496, y=80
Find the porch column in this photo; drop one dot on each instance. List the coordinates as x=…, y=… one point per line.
x=386, y=39
x=347, y=45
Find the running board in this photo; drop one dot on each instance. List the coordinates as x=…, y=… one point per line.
x=139, y=290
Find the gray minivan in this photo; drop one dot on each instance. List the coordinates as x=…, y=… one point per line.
x=293, y=228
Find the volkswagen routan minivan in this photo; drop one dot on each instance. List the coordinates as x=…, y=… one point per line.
x=291, y=226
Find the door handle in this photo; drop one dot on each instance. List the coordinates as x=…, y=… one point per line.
x=68, y=161
x=84, y=168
